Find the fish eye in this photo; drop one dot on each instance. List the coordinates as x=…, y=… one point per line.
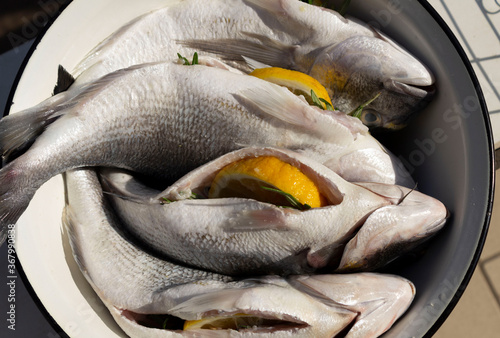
x=371, y=118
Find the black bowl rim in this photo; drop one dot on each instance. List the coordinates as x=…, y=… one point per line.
x=484, y=231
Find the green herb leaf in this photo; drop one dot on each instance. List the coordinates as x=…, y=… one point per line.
x=291, y=199
x=165, y=201
x=318, y=102
x=357, y=112
x=186, y=61
x=195, y=59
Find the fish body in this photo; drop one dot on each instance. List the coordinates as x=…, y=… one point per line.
x=240, y=236
x=166, y=119
x=138, y=288
x=393, y=230
x=154, y=36
x=352, y=60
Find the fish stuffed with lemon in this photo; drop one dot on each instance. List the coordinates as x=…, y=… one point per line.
x=265, y=210
x=152, y=297
x=166, y=119
x=352, y=60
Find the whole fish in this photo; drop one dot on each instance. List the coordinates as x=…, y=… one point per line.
x=352, y=60
x=166, y=119
x=150, y=297
x=211, y=233
x=241, y=236
x=411, y=219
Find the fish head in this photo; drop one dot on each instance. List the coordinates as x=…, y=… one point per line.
x=362, y=68
x=393, y=230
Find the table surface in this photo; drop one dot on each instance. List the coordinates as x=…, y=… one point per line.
x=481, y=42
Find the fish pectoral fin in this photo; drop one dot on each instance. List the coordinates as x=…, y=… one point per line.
x=121, y=184
x=280, y=103
x=297, y=283
x=262, y=49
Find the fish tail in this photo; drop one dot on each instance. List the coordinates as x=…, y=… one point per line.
x=18, y=131
x=14, y=199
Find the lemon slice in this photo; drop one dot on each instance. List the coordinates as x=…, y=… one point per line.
x=246, y=178
x=297, y=82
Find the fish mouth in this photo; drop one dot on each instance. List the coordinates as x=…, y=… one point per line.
x=240, y=321
x=415, y=90
x=397, y=105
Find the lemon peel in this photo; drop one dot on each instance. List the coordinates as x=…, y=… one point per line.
x=297, y=82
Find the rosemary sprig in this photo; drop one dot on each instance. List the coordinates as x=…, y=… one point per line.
x=290, y=199
x=318, y=102
x=186, y=61
x=357, y=112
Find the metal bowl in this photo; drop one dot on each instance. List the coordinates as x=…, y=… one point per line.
x=448, y=148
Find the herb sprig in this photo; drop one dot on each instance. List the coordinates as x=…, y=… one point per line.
x=186, y=61
x=318, y=102
x=294, y=202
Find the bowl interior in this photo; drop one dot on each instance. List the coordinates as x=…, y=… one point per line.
x=447, y=148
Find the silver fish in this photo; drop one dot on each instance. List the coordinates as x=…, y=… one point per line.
x=242, y=236
x=353, y=61
x=392, y=230
x=211, y=233
x=141, y=291
x=166, y=119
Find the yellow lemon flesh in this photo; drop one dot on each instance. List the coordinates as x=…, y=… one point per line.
x=297, y=82
x=245, y=178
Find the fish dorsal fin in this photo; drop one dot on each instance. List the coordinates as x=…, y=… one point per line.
x=64, y=80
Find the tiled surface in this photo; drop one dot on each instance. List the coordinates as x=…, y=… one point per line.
x=476, y=24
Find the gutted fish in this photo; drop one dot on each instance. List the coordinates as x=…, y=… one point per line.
x=354, y=61
x=392, y=230
x=379, y=299
x=265, y=238
x=166, y=119
x=150, y=297
x=237, y=235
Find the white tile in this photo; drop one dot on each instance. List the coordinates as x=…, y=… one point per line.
x=488, y=74
x=443, y=13
x=477, y=313
x=471, y=22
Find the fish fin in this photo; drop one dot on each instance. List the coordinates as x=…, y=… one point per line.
x=69, y=222
x=14, y=196
x=253, y=64
x=263, y=49
x=278, y=102
x=64, y=80
x=18, y=131
x=296, y=282
x=121, y=184
x=258, y=220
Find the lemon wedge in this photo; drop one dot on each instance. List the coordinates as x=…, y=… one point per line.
x=246, y=178
x=297, y=82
